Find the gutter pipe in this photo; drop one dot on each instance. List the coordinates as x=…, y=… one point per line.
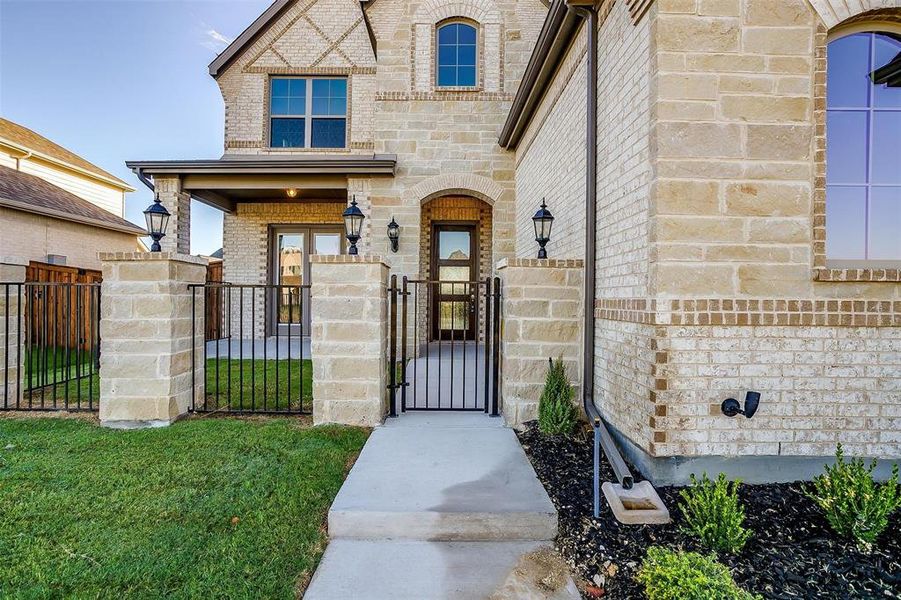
x=140, y=175
x=602, y=437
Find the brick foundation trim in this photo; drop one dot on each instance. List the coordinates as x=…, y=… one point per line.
x=720, y=311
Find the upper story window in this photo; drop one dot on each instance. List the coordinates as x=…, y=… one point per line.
x=308, y=112
x=863, y=148
x=456, y=55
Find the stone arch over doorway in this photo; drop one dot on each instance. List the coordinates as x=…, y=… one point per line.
x=460, y=184
x=456, y=208
x=833, y=12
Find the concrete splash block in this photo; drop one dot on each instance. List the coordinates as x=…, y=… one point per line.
x=640, y=505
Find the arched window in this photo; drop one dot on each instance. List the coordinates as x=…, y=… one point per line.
x=863, y=148
x=456, y=55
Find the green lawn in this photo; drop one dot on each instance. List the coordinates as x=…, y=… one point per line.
x=265, y=384
x=206, y=508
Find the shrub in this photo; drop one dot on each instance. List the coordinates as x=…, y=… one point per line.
x=713, y=513
x=677, y=575
x=556, y=412
x=855, y=506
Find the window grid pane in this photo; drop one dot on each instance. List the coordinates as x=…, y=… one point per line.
x=456, y=55
x=863, y=197
x=289, y=103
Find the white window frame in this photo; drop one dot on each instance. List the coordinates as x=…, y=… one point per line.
x=309, y=116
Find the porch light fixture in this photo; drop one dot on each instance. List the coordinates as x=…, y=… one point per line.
x=292, y=192
x=543, y=220
x=393, y=234
x=157, y=218
x=353, y=224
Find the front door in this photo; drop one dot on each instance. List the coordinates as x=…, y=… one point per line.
x=292, y=248
x=454, y=259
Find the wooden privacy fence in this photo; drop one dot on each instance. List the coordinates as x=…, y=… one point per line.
x=62, y=305
x=214, y=316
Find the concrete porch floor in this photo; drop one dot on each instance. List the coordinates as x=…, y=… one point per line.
x=438, y=505
x=269, y=348
x=448, y=375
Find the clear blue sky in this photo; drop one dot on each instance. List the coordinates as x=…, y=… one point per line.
x=117, y=80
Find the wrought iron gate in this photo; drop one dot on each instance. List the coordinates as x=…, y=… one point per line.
x=444, y=345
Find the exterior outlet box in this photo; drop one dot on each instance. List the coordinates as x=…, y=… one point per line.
x=640, y=505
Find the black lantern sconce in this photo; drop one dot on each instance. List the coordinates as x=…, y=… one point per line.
x=353, y=224
x=157, y=218
x=393, y=234
x=543, y=220
x=731, y=407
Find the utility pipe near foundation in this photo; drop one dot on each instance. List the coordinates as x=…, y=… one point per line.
x=602, y=436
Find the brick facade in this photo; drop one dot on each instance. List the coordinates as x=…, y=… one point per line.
x=711, y=163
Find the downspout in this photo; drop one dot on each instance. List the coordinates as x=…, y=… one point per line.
x=140, y=175
x=601, y=432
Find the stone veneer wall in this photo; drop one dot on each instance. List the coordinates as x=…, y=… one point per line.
x=348, y=339
x=246, y=247
x=737, y=306
x=542, y=319
x=707, y=284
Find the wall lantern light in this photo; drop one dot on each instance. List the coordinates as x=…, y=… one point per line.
x=393, y=234
x=157, y=218
x=353, y=224
x=543, y=220
x=731, y=407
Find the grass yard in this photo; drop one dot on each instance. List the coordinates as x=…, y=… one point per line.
x=206, y=508
x=259, y=384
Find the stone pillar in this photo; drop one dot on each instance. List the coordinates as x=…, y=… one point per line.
x=349, y=313
x=146, y=337
x=542, y=318
x=178, y=203
x=12, y=330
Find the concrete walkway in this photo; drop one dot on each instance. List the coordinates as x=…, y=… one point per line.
x=438, y=506
x=448, y=375
x=271, y=348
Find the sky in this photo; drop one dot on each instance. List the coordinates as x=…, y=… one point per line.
x=117, y=80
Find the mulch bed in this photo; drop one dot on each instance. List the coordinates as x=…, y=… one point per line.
x=793, y=552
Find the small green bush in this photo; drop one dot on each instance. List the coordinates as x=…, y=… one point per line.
x=855, y=506
x=556, y=412
x=678, y=575
x=713, y=514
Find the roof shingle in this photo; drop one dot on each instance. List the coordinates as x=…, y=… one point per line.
x=22, y=191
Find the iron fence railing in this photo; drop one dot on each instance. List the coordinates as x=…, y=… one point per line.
x=51, y=336
x=261, y=362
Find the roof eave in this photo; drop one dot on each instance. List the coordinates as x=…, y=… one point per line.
x=557, y=32
x=66, y=216
x=247, y=37
x=112, y=181
x=385, y=164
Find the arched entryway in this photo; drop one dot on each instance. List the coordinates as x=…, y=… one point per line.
x=455, y=245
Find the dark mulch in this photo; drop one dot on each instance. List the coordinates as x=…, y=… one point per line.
x=792, y=554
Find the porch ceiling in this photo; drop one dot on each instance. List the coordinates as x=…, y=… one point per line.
x=223, y=182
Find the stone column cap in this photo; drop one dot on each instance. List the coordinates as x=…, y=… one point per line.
x=152, y=256
x=546, y=263
x=345, y=259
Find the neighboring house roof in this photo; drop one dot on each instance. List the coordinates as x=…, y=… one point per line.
x=217, y=254
x=351, y=164
x=249, y=35
x=28, y=193
x=16, y=135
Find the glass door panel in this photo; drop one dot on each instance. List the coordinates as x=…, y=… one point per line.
x=454, y=260
x=291, y=259
x=326, y=243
